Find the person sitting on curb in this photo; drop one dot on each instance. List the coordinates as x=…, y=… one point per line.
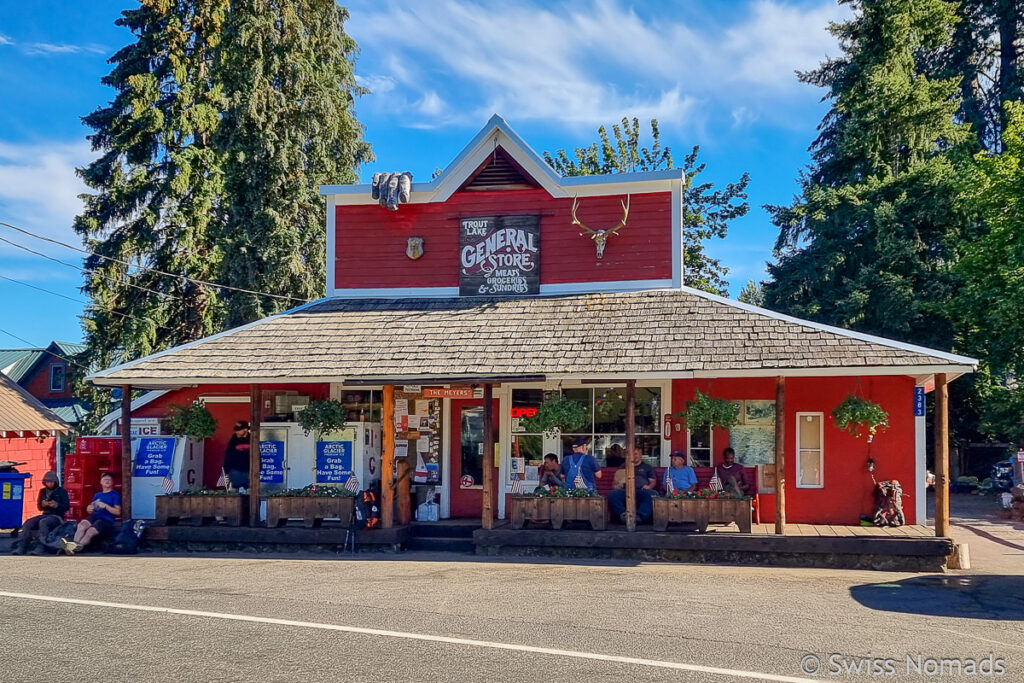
x=53, y=503
x=645, y=483
x=681, y=475
x=103, y=511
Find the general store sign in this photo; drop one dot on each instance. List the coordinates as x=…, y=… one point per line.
x=499, y=256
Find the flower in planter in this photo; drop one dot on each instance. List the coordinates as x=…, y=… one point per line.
x=856, y=414
x=314, y=491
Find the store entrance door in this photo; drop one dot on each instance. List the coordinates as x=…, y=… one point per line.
x=468, y=458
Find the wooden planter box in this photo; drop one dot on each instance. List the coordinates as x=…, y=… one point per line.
x=200, y=510
x=701, y=511
x=558, y=510
x=312, y=510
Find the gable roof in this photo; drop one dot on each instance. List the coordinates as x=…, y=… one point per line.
x=19, y=364
x=645, y=334
x=22, y=412
x=498, y=134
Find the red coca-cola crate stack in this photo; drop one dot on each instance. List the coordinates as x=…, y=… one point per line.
x=93, y=456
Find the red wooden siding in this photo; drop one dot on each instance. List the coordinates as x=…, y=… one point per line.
x=39, y=385
x=371, y=241
x=848, y=491
x=39, y=455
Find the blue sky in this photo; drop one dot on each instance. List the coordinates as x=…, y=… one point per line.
x=719, y=74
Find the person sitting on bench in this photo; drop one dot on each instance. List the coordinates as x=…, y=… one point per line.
x=681, y=475
x=734, y=476
x=53, y=503
x=549, y=475
x=103, y=511
x=645, y=483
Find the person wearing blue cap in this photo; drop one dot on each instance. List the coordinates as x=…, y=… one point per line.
x=580, y=464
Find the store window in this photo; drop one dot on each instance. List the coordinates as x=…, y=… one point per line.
x=701, y=448
x=362, y=406
x=753, y=439
x=606, y=425
x=58, y=373
x=810, y=459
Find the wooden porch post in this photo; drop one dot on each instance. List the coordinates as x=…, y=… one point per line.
x=387, y=457
x=941, y=455
x=630, y=448
x=126, y=452
x=255, y=457
x=487, y=507
x=780, y=455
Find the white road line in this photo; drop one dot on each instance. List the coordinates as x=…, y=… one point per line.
x=738, y=673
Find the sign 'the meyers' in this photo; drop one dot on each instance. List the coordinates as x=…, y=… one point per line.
x=499, y=256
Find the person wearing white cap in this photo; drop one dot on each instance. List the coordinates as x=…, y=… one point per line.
x=53, y=503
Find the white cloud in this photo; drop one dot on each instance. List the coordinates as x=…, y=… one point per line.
x=47, y=49
x=584, y=64
x=39, y=192
x=5, y=40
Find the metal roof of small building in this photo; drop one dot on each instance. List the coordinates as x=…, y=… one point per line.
x=654, y=333
x=22, y=412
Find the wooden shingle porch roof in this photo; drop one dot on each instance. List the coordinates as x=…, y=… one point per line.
x=645, y=334
x=23, y=413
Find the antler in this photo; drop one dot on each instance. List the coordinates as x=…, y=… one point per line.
x=576, y=221
x=625, y=215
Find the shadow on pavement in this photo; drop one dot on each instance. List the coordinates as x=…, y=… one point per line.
x=998, y=598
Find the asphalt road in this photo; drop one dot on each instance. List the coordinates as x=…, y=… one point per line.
x=539, y=620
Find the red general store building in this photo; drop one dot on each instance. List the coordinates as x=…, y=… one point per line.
x=488, y=281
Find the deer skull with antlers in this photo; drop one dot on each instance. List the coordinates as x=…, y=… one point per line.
x=600, y=237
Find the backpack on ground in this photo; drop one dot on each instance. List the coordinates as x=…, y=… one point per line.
x=52, y=541
x=367, y=512
x=128, y=538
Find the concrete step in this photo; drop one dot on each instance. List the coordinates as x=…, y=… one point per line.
x=443, y=530
x=434, y=544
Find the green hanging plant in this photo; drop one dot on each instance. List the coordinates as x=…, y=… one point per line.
x=322, y=417
x=856, y=414
x=704, y=411
x=193, y=420
x=559, y=413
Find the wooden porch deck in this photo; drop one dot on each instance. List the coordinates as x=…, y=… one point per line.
x=916, y=530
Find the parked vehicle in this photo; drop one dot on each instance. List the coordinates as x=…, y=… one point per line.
x=1002, y=475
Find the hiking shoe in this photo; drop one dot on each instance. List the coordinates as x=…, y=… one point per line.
x=68, y=547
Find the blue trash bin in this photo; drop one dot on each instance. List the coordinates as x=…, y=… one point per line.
x=12, y=499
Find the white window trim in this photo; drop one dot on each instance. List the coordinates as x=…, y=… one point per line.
x=820, y=449
x=711, y=448
x=64, y=382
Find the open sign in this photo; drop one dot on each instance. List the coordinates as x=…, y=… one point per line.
x=524, y=412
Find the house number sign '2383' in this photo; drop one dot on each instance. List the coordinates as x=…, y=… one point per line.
x=499, y=256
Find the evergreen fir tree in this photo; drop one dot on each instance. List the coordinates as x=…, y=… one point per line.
x=867, y=243
x=289, y=126
x=706, y=212
x=158, y=185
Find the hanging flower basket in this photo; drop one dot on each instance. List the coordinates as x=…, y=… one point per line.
x=323, y=416
x=193, y=420
x=705, y=411
x=859, y=416
x=557, y=413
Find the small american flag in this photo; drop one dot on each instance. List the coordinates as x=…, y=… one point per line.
x=167, y=484
x=579, y=482
x=669, y=486
x=715, y=484
x=517, y=485
x=352, y=484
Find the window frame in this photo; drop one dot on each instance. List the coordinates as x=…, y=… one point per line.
x=710, y=448
x=820, y=450
x=63, y=379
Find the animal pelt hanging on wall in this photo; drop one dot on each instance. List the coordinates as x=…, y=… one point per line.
x=391, y=189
